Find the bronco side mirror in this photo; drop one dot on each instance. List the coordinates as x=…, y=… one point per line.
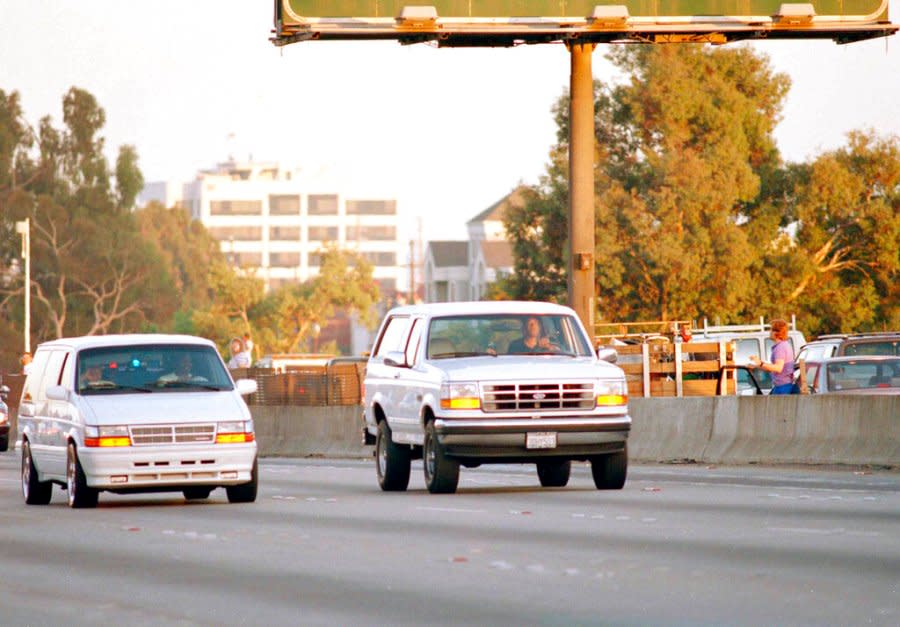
x=607, y=354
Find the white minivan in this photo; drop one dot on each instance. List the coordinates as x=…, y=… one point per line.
x=135, y=413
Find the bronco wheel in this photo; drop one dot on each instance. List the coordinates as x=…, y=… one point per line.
x=244, y=492
x=392, y=461
x=195, y=493
x=609, y=471
x=554, y=474
x=441, y=472
x=80, y=495
x=35, y=492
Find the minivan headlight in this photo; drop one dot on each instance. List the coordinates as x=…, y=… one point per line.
x=611, y=393
x=460, y=396
x=107, y=436
x=234, y=432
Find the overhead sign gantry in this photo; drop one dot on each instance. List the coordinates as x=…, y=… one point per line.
x=580, y=24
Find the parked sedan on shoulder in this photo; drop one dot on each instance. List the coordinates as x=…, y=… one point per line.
x=874, y=375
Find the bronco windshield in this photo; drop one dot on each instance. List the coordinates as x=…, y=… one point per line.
x=150, y=368
x=505, y=334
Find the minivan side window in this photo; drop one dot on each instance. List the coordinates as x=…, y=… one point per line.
x=36, y=376
x=51, y=373
x=393, y=336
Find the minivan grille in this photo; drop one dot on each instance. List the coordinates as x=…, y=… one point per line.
x=537, y=396
x=173, y=434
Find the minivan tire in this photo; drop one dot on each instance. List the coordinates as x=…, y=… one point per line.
x=392, y=461
x=35, y=492
x=554, y=474
x=441, y=472
x=80, y=495
x=245, y=492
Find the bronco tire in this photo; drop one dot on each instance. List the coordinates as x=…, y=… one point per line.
x=392, y=461
x=441, y=472
x=609, y=471
x=554, y=474
x=196, y=493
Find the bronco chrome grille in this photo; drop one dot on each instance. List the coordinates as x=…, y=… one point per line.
x=537, y=396
x=173, y=434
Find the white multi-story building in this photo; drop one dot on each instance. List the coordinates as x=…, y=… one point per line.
x=275, y=221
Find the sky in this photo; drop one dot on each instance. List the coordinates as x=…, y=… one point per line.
x=447, y=132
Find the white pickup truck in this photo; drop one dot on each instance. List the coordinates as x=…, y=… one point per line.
x=493, y=382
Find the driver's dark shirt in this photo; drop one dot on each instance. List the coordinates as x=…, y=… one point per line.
x=519, y=346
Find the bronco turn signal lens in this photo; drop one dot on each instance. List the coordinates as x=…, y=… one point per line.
x=611, y=393
x=460, y=396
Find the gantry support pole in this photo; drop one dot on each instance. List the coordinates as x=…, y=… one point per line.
x=581, y=185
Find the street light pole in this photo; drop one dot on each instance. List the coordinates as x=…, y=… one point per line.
x=23, y=227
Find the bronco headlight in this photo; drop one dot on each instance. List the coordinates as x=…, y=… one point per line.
x=611, y=393
x=106, y=436
x=460, y=396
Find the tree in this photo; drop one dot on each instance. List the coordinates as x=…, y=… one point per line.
x=844, y=255
x=344, y=280
x=91, y=270
x=681, y=147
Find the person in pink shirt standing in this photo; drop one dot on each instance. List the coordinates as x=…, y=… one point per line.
x=781, y=362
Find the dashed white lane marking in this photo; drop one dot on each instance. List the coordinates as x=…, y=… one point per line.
x=537, y=569
x=452, y=510
x=809, y=530
x=501, y=565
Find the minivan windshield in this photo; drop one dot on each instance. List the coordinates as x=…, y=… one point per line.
x=505, y=334
x=150, y=368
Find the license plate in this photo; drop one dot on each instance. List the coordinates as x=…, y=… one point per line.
x=540, y=440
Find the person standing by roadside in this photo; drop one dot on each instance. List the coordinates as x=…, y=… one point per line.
x=240, y=357
x=248, y=346
x=781, y=362
x=25, y=360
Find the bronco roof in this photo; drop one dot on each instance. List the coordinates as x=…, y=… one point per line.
x=483, y=307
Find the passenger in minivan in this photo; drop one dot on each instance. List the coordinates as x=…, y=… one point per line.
x=183, y=372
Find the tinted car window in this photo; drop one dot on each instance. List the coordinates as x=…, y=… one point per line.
x=150, y=368
x=887, y=347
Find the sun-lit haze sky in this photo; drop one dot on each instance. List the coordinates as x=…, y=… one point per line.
x=445, y=131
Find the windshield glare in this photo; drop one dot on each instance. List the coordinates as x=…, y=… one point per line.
x=150, y=368
x=505, y=334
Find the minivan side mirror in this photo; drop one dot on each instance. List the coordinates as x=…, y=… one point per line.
x=395, y=359
x=246, y=386
x=607, y=354
x=57, y=393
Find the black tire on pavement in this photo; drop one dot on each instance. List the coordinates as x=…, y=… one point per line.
x=441, y=472
x=554, y=474
x=244, y=492
x=79, y=494
x=392, y=461
x=195, y=493
x=610, y=470
x=35, y=492
x=4, y=444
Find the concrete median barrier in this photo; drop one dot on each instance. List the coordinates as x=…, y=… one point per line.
x=853, y=430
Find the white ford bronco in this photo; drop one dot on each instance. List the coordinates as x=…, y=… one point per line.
x=493, y=382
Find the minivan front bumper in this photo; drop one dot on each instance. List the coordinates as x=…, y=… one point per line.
x=146, y=467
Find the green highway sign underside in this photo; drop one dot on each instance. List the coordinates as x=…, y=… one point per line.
x=509, y=23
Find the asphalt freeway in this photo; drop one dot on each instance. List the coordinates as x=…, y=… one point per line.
x=680, y=544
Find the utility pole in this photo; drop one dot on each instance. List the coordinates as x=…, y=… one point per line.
x=23, y=227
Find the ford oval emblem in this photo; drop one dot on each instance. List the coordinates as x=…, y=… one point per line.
x=539, y=396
